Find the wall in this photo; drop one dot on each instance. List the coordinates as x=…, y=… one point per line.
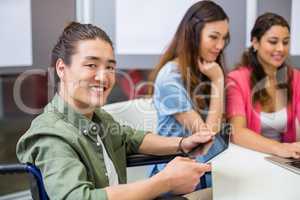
x=105, y=18
x=48, y=19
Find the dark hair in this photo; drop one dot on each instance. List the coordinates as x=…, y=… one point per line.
x=185, y=46
x=71, y=35
x=249, y=58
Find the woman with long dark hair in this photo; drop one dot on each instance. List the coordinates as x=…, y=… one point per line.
x=189, y=78
x=263, y=92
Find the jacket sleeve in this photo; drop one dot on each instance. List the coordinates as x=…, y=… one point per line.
x=133, y=139
x=64, y=175
x=235, y=100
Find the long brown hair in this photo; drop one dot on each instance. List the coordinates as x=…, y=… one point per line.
x=249, y=58
x=185, y=47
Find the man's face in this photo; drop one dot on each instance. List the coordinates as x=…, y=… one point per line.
x=90, y=77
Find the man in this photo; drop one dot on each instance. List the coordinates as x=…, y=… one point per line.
x=80, y=150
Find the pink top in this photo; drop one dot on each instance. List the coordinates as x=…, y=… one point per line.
x=239, y=101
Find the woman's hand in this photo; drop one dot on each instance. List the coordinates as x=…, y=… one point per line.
x=211, y=69
x=287, y=150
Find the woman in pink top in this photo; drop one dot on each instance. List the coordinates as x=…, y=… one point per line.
x=263, y=93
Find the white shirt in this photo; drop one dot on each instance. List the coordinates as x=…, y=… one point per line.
x=273, y=124
x=110, y=168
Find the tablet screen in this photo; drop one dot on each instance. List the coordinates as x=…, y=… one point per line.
x=213, y=148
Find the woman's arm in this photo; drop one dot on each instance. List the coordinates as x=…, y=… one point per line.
x=193, y=121
x=243, y=136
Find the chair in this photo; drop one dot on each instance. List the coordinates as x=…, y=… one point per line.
x=37, y=188
x=137, y=113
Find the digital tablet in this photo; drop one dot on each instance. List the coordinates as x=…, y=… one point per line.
x=207, y=151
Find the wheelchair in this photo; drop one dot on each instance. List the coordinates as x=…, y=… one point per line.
x=37, y=188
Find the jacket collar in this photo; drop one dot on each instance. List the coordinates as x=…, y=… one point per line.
x=70, y=115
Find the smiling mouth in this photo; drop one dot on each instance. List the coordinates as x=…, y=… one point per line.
x=278, y=57
x=215, y=54
x=99, y=88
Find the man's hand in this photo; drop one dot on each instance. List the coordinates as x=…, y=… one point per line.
x=183, y=174
x=204, y=136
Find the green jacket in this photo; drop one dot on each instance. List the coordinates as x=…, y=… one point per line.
x=63, y=145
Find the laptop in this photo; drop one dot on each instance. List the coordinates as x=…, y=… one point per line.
x=288, y=163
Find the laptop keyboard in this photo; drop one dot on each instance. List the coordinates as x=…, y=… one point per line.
x=295, y=163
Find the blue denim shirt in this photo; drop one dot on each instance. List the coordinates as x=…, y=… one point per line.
x=170, y=97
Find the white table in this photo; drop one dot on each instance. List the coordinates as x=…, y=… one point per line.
x=243, y=174
x=204, y=194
